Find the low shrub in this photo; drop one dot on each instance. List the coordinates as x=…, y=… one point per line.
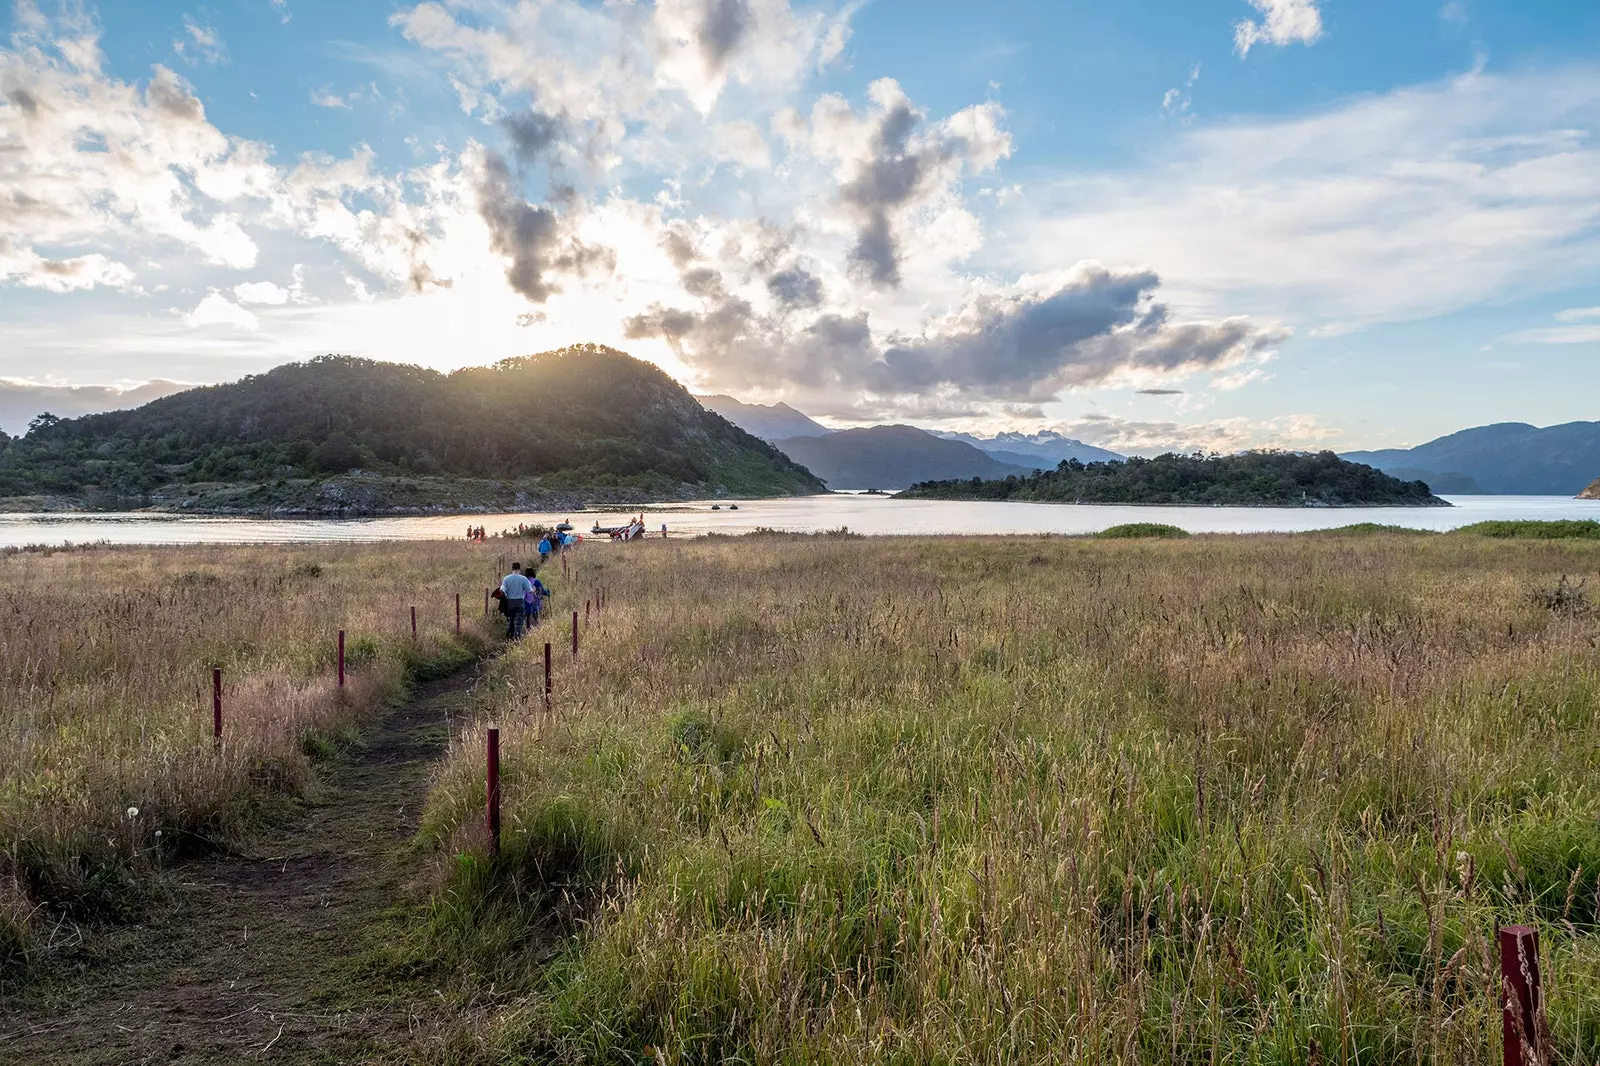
x=1140, y=530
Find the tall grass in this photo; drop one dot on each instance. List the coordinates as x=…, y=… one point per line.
x=1222, y=800
x=107, y=764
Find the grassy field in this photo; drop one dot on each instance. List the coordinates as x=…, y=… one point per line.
x=1220, y=800
x=109, y=769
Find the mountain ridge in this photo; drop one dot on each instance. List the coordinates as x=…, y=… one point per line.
x=890, y=457
x=1503, y=458
x=344, y=435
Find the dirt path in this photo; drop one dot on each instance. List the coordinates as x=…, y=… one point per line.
x=266, y=955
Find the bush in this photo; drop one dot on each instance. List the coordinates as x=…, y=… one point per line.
x=1562, y=529
x=1139, y=530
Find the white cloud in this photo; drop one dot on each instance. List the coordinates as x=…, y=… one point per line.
x=27, y=267
x=1402, y=206
x=328, y=98
x=1297, y=432
x=282, y=8
x=204, y=43
x=217, y=310
x=1577, y=314
x=1286, y=22
x=1564, y=334
x=261, y=292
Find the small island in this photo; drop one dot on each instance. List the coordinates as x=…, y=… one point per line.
x=1592, y=492
x=1248, y=479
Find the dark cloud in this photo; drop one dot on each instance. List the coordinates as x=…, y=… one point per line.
x=24, y=99
x=531, y=235
x=795, y=287
x=1160, y=392
x=999, y=349
x=532, y=134
x=723, y=24
x=889, y=178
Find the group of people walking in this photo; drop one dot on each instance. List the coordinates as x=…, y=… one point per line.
x=521, y=597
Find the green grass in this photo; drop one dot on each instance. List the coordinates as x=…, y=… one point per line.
x=1224, y=800
x=1369, y=529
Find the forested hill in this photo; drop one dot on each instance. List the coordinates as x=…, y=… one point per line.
x=1250, y=479
x=585, y=419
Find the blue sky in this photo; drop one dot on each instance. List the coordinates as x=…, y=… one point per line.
x=1149, y=224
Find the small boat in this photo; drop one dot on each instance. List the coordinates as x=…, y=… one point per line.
x=716, y=507
x=733, y=507
x=564, y=527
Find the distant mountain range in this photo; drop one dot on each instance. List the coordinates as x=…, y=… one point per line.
x=1036, y=451
x=891, y=457
x=1508, y=458
x=777, y=422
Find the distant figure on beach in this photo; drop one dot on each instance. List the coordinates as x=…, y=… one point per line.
x=517, y=588
x=663, y=531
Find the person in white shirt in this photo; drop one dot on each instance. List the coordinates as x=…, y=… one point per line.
x=516, y=587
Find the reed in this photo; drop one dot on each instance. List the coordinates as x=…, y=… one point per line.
x=1213, y=799
x=108, y=768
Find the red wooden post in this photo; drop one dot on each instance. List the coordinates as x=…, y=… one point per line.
x=547, y=675
x=413, y=622
x=492, y=806
x=341, y=658
x=458, y=614
x=1521, y=998
x=574, y=634
x=216, y=703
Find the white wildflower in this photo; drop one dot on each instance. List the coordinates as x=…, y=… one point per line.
x=133, y=812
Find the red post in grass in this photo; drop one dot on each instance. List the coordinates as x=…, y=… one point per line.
x=216, y=703
x=413, y=622
x=547, y=675
x=458, y=614
x=341, y=658
x=1521, y=998
x=586, y=605
x=574, y=634
x=492, y=805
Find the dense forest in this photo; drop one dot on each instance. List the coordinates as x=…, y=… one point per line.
x=1262, y=478
x=584, y=417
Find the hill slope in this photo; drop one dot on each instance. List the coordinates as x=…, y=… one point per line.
x=777, y=422
x=1508, y=458
x=890, y=457
x=561, y=426
x=1592, y=492
x=1040, y=451
x=1249, y=479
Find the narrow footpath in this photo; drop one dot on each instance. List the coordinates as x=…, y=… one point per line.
x=267, y=955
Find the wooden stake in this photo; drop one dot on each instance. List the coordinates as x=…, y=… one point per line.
x=492, y=805
x=1521, y=998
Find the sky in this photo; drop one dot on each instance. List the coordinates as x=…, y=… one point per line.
x=1150, y=225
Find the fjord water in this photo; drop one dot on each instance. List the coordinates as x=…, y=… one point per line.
x=875, y=515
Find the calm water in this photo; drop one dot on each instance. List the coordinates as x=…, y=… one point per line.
x=863, y=514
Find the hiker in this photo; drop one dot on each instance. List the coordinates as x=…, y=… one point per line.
x=517, y=588
x=545, y=547
x=534, y=602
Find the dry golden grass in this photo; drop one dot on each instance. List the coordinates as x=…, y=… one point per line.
x=1254, y=800
x=105, y=696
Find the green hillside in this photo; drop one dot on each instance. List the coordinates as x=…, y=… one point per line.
x=341, y=434
x=1249, y=479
